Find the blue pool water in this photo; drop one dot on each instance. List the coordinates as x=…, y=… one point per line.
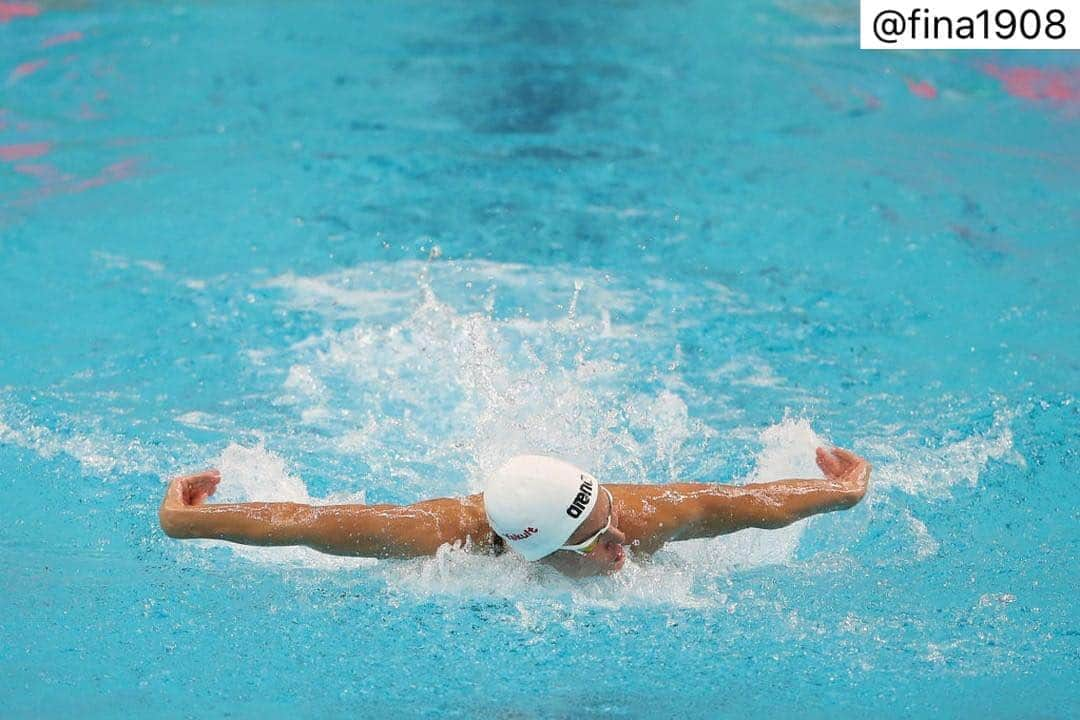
x=365, y=251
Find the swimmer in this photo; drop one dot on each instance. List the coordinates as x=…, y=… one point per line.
x=542, y=508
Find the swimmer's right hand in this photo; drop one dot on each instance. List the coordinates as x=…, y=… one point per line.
x=846, y=468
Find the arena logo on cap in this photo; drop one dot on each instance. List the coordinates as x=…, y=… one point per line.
x=527, y=532
x=581, y=500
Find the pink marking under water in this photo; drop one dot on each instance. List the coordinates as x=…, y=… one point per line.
x=56, y=182
x=122, y=141
x=86, y=112
x=1035, y=84
x=870, y=101
x=11, y=153
x=9, y=10
x=73, y=36
x=922, y=89
x=27, y=68
x=45, y=173
x=121, y=170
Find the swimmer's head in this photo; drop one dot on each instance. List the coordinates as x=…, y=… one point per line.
x=546, y=508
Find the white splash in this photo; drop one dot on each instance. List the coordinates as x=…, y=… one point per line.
x=788, y=452
x=933, y=472
x=255, y=473
x=925, y=543
x=111, y=261
x=204, y=421
x=429, y=366
x=97, y=452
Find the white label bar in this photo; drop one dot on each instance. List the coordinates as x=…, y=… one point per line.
x=969, y=25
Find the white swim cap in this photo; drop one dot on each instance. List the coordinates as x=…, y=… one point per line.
x=536, y=503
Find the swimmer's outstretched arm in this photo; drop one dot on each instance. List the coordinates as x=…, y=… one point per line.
x=384, y=531
x=684, y=511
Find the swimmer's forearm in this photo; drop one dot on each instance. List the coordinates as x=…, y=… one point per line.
x=778, y=504
x=712, y=510
x=381, y=531
x=332, y=529
x=254, y=523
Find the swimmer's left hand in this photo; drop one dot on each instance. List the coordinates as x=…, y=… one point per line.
x=180, y=512
x=192, y=490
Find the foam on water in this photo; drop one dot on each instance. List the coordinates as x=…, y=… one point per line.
x=428, y=364
x=98, y=452
x=932, y=471
x=925, y=543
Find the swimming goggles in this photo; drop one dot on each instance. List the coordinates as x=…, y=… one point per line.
x=589, y=544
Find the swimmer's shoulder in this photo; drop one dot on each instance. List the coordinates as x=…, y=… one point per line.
x=647, y=515
x=634, y=495
x=475, y=526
